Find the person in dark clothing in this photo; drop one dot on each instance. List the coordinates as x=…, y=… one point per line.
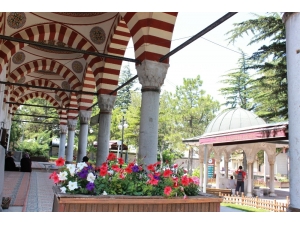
x=86, y=160
x=10, y=163
x=26, y=163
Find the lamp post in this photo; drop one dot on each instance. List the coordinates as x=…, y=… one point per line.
x=121, y=126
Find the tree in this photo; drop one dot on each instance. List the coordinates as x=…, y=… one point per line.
x=124, y=95
x=238, y=89
x=190, y=111
x=269, y=61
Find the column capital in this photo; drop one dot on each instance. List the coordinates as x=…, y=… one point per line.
x=72, y=124
x=152, y=74
x=106, y=102
x=84, y=116
x=63, y=129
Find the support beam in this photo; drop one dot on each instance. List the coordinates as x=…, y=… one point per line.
x=45, y=106
x=26, y=121
x=48, y=88
x=55, y=47
x=18, y=114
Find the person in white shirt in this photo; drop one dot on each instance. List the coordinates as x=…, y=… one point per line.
x=231, y=184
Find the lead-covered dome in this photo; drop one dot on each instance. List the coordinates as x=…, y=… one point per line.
x=233, y=119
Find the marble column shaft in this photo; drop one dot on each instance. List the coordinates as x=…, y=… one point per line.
x=106, y=104
x=71, y=134
x=84, y=117
x=151, y=76
x=62, y=141
x=292, y=27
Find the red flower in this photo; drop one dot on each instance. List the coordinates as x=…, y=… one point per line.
x=121, y=161
x=185, y=180
x=167, y=173
x=60, y=161
x=151, y=167
x=131, y=164
x=153, y=181
x=175, y=165
x=103, y=172
x=54, y=177
x=167, y=190
x=175, y=184
x=128, y=169
x=115, y=167
x=111, y=156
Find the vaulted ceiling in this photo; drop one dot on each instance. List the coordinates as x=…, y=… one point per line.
x=68, y=79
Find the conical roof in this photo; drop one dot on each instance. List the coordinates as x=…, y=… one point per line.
x=233, y=119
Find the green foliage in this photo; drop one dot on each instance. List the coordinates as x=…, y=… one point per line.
x=237, y=90
x=123, y=99
x=269, y=89
x=169, y=156
x=39, y=146
x=196, y=172
x=243, y=208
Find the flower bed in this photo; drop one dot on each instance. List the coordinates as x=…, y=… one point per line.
x=115, y=186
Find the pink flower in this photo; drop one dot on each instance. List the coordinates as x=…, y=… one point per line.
x=167, y=173
x=167, y=190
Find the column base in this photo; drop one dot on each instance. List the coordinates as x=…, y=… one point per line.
x=292, y=209
x=272, y=195
x=249, y=194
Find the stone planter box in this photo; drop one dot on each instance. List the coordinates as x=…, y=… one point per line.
x=281, y=184
x=122, y=203
x=39, y=158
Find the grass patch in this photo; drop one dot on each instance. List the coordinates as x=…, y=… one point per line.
x=243, y=208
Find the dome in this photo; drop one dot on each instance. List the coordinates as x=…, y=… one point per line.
x=233, y=119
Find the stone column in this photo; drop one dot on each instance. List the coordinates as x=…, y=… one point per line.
x=249, y=179
x=272, y=189
x=84, y=117
x=217, y=161
x=205, y=168
x=106, y=104
x=70, y=147
x=151, y=76
x=292, y=26
x=62, y=141
x=201, y=160
x=226, y=159
x=2, y=162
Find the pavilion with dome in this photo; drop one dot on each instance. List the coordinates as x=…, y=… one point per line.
x=238, y=129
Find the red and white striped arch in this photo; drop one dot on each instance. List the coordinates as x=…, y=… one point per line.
x=2, y=19
x=86, y=101
x=43, y=64
x=14, y=107
x=151, y=33
x=42, y=83
x=107, y=80
x=41, y=32
x=72, y=114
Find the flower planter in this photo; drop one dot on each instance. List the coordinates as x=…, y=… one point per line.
x=123, y=203
x=282, y=184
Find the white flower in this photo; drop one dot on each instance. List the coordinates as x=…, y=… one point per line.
x=91, y=177
x=81, y=165
x=72, y=185
x=71, y=168
x=63, y=189
x=104, y=193
x=62, y=175
x=110, y=172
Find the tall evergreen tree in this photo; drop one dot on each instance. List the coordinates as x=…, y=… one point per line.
x=238, y=83
x=124, y=95
x=270, y=63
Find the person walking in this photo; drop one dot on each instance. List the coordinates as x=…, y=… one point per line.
x=240, y=178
